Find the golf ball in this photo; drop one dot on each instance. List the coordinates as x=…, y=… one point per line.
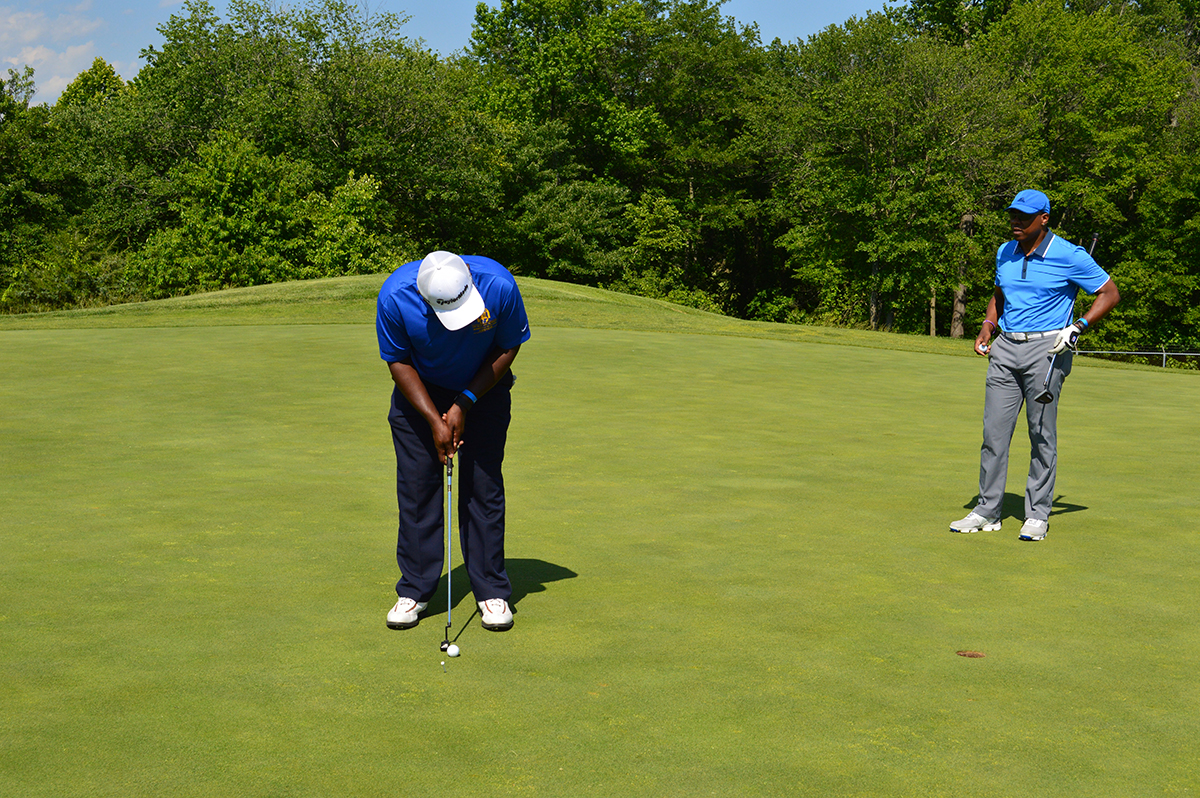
x=452, y=651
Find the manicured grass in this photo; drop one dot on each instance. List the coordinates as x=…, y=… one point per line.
x=729, y=549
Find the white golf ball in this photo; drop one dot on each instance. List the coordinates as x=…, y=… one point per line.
x=452, y=651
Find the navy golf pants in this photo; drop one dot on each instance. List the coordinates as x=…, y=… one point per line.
x=478, y=493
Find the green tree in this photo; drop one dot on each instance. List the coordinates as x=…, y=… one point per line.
x=241, y=222
x=652, y=262
x=562, y=78
x=648, y=97
x=957, y=21
x=344, y=236
x=382, y=107
x=551, y=219
x=1159, y=273
x=99, y=84
x=22, y=206
x=65, y=269
x=1110, y=98
x=246, y=218
x=1104, y=100
x=35, y=192
x=886, y=141
x=329, y=85
x=702, y=69
x=578, y=62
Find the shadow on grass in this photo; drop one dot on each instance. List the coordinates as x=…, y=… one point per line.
x=532, y=576
x=526, y=575
x=1060, y=507
x=1014, y=506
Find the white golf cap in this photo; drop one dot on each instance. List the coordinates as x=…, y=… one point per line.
x=445, y=283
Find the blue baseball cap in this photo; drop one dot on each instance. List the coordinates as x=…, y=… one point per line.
x=1030, y=201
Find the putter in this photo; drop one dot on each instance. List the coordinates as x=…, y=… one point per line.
x=449, y=544
x=1047, y=396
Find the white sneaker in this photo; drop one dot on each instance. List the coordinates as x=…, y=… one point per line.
x=975, y=522
x=1035, y=529
x=405, y=614
x=496, y=615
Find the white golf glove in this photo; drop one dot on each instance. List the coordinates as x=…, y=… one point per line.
x=1067, y=337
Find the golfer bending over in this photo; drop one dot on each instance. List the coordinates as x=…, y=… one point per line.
x=449, y=327
x=1038, y=275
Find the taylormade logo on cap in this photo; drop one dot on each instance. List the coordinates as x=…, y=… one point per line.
x=444, y=281
x=455, y=299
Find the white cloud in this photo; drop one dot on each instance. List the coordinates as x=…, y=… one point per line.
x=69, y=27
x=24, y=27
x=42, y=57
x=58, y=47
x=20, y=27
x=49, y=91
x=53, y=70
x=126, y=70
x=33, y=56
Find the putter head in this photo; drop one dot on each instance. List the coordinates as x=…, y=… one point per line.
x=1045, y=398
x=445, y=645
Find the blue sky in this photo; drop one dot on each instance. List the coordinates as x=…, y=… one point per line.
x=61, y=39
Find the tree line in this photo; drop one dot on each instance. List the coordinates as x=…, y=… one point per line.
x=858, y=177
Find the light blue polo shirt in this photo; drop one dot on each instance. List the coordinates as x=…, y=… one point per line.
x=408, y=327
x=1039, y=290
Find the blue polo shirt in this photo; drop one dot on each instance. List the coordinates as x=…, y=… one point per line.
x=408, y=327
x=1039, y=290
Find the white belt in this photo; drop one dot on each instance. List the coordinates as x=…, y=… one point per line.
x=1015, y=336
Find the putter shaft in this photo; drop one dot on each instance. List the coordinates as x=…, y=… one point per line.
x=449, y=540
x=1046, y=382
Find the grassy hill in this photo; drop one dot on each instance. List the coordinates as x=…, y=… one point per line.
x=351, y=300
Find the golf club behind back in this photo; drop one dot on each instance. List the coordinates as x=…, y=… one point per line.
x=1047, y=396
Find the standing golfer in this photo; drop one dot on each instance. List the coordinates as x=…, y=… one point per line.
x=1038, y=275
x=449, y=327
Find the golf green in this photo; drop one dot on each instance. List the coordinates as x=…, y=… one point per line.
x=730, y=556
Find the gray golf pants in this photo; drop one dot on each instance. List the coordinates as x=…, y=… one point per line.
x=1015, y=375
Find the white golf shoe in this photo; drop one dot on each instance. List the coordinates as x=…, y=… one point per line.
x=497, y=617
x=405, y=614
x=1034, y=529
x=975, y=522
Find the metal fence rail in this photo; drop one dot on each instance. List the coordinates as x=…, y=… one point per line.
x=1162, y=352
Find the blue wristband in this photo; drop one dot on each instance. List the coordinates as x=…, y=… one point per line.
x=1084, y=322
x=472, y=396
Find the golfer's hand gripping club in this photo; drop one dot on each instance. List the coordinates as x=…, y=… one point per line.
x=456, y=421
x=1066, y=339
